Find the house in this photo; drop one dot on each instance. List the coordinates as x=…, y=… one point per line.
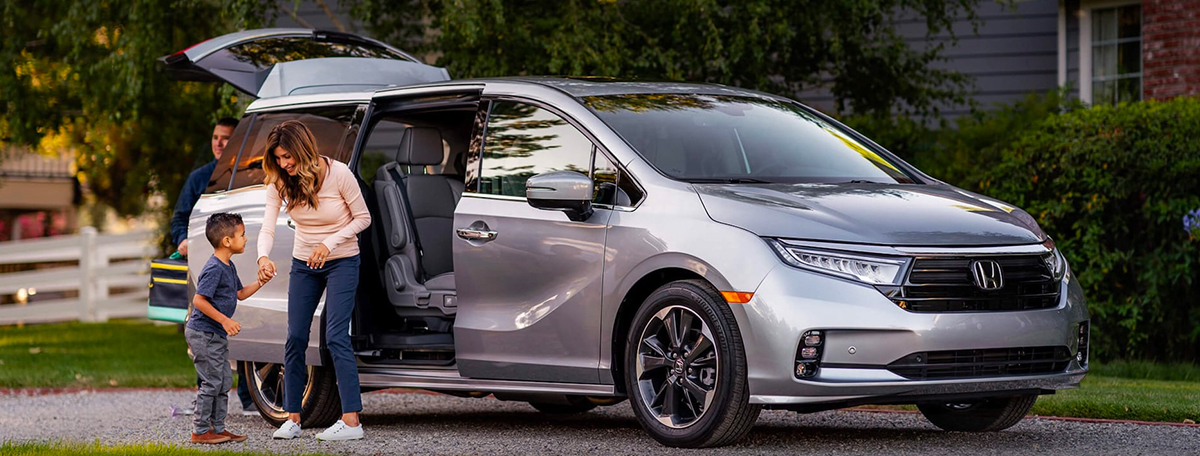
x=1129, y=50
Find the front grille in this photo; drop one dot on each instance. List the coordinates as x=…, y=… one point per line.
x=993, y=362
x=946, y=285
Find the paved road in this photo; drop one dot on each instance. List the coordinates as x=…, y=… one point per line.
x=416, y=423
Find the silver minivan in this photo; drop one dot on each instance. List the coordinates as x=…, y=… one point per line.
x=703, y=251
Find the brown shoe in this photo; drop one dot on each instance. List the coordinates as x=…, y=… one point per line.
x=233, y=437
x=209, y=438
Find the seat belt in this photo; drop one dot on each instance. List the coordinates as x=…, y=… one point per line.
x=402, y=181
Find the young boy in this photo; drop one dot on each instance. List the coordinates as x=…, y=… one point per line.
x=218, y=290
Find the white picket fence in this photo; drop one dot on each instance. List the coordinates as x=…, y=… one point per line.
x=105, y=261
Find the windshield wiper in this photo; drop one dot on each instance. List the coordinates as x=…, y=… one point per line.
x=861, y=181
x=729, y=180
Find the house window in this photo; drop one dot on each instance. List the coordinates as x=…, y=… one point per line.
x=1116, y=54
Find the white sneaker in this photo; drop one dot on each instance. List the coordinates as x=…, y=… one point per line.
x=289, y=430
x=340, y=431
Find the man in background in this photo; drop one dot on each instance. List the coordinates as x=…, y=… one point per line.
x=195, y=185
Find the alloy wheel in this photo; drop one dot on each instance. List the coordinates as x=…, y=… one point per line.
x=677, y=366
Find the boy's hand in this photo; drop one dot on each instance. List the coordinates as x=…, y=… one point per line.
x=231, y=327
x=266, y=269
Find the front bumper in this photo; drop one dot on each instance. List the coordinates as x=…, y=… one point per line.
x=865, y=331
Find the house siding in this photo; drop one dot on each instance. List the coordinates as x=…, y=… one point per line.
x=1014, y=53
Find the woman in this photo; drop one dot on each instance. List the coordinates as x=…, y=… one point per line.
x=324, y=202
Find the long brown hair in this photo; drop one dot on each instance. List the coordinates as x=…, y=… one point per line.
x=298, y=140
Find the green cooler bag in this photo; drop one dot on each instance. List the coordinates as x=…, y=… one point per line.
x=170, y=292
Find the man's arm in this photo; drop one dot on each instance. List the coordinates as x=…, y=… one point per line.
x=196, y=182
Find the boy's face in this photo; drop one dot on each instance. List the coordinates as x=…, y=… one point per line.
x=237, y=242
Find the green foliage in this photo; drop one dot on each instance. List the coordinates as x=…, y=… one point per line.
x=83, y=76
x=101, y=355
x=1111, y=185
x=781, y=46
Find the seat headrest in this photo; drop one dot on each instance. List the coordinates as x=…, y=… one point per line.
x=420, y=146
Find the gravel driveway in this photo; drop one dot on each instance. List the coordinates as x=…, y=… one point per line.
x=408, y=423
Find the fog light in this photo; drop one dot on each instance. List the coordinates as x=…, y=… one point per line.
x=808, y=354
x=806, y=369
x=812, y=339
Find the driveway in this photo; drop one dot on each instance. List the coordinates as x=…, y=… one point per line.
x=402, y=422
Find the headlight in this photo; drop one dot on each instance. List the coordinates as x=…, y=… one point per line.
x=875, y=270
x=1055, y=262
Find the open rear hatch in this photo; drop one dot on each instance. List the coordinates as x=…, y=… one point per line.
x=278, y=61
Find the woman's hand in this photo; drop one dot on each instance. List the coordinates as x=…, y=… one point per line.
x=317, y=259
x=266, y=269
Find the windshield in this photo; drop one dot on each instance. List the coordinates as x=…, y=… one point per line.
x=718, y=138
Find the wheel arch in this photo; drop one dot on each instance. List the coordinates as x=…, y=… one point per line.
x=654, y=273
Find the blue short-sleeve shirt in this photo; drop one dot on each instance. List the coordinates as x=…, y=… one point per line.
x=220, y=284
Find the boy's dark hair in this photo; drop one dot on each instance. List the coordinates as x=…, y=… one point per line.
x=227, y=122
x=220, y=225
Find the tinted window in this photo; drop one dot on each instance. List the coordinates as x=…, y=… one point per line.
x=221, y=175
x=524, y=140
x=713, y=138
x=261, y=54
x=331, y=126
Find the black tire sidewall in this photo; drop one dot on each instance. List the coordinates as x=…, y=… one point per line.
x=701, y=301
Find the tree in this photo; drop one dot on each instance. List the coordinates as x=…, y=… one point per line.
x=779, y=46
x=84, y=75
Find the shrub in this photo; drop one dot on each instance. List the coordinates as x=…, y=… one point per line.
x=1111, y=185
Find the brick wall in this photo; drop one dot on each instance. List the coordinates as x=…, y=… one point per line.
x=1170, y=48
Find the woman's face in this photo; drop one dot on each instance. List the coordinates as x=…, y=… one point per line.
x=285, y=160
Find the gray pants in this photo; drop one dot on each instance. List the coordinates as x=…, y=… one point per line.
x=210, y=354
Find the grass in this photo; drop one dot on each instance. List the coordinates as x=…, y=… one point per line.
x=95, y=449
x=120, y=353
x=138, y=354
x=1170, y=401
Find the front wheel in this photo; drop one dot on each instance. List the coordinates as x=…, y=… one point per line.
x=685, y=368
x=321, y=406
x=996, y=414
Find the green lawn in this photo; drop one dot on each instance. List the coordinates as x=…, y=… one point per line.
x=1126, y=399
x=139, y=354
x=66, y=449
x=119, y=353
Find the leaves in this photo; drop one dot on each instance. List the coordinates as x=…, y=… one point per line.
x=85, y=79
x=780, y=46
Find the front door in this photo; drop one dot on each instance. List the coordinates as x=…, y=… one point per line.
x=528, y=297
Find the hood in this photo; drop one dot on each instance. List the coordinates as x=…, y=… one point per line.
x=882, y=214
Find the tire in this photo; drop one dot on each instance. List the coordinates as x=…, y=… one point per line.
x=701, y=397
x=574, y=405
x=986, y=415
x=321, y=406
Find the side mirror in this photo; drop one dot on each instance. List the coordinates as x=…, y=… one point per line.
x=566, y=191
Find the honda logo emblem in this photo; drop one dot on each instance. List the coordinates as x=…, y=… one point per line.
x=987, y=274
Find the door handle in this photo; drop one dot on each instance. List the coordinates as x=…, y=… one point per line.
x=475, y=234
x=291, y=224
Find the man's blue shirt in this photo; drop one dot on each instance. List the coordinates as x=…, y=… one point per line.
x=219, y=283
x=192, y=189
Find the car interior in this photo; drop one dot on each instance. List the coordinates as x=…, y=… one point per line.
x=411, y=172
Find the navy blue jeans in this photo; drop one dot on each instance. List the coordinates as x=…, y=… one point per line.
x=339, y=280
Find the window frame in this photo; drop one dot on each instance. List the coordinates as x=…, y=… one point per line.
x=1087, y=10
x=476, y=153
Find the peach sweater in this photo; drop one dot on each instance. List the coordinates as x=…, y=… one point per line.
x=340, y=215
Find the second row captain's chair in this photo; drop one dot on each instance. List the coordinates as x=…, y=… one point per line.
x=418, y=221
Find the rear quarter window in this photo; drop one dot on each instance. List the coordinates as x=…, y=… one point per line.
x=335, y=129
